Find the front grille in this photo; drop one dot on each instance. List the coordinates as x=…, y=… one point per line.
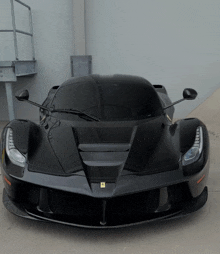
x=88, y=211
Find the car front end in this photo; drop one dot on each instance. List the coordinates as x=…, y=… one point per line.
x=126, y=196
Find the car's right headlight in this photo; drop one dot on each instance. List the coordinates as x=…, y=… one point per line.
x=14, y=155
x=195, y=151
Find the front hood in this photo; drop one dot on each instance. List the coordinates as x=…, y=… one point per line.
x=105, y=150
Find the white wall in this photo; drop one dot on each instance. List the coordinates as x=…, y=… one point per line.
x=174, y=43
x=54, y=44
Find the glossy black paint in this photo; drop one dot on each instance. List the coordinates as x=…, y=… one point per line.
x=189, y=94
x=23, y=96
x=137, y=157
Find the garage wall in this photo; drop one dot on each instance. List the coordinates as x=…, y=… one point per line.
x=54, y=44
x=174, y=43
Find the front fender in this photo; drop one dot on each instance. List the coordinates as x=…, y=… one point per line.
x=187, y=134
x=26, y=134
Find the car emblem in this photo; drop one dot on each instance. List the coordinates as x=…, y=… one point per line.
x=102, y=185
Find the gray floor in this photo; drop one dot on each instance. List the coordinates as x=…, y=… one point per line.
x=197, y=233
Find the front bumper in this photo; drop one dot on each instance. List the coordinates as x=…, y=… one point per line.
x=133, y=200
x=116, y=214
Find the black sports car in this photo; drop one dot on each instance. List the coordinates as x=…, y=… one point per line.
x=105, y=154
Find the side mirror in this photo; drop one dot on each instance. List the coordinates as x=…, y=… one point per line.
x=189, y=94
x=23, y=96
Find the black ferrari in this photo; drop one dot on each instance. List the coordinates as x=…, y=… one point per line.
x=106, y=153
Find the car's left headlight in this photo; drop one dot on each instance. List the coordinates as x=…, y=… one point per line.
x=195, y=151
x=14, y=155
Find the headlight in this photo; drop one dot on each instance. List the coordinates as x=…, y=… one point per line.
x=14, y=155
x=194, y=152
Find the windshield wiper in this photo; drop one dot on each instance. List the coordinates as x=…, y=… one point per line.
x=76, y=112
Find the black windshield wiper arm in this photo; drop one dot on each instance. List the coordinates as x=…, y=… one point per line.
x=76, y=112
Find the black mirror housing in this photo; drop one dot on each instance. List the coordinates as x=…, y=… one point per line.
x=23, y=96
x=189, y=94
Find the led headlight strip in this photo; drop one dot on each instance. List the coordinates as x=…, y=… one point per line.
x=195, y=151
x=14, y=155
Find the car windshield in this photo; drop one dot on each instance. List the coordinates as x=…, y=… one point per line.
x=110, y=101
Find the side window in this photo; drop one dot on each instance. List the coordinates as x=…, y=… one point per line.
x=50, y=96
x=47, y=101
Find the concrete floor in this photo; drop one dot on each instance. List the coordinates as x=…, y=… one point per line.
x=195, y=234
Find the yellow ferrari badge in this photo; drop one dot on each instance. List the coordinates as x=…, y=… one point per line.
x=102, y=184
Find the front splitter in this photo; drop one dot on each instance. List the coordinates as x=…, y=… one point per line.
x=189, y=207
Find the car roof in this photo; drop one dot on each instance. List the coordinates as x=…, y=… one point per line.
x=133, y=93
x=108, y=79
